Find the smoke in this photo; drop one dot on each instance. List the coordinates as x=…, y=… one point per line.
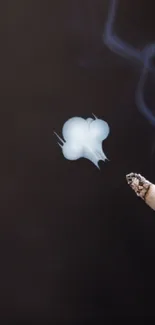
x=83, y=139
x=143, y=57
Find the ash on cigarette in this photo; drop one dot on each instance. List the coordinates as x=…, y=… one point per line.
x=139, y=184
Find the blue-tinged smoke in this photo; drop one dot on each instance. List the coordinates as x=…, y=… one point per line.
x=148, y=53
x=143, y=57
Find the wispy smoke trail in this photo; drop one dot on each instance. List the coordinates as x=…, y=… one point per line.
x=112, y=41
x=144, y=57
x=148, y=54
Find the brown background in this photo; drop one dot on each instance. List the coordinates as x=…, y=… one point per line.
x=76, y=244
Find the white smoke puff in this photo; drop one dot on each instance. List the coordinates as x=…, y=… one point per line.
x=99, y=129
x=84, y=139
x=72, y=151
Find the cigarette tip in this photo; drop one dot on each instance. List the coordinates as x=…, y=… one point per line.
x=129, y=178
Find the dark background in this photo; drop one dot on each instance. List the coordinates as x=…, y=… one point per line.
x=76, y=245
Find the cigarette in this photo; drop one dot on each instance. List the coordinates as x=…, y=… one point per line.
x=143, y=188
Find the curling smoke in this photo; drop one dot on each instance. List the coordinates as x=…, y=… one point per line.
x=144, y=57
